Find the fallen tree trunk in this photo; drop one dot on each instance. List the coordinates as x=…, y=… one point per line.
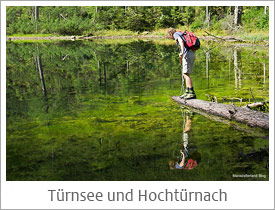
x=225, y=38
x=231, y=112
x=236, y=125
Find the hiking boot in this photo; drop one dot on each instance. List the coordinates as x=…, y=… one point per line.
x=185, y=94
x=188, y=112
x=190, y=96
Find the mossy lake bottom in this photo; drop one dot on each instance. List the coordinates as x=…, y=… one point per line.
x=87, y=110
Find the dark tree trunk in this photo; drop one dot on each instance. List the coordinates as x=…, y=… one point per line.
x=36, y=12
x=207, y=15
x=238, y=15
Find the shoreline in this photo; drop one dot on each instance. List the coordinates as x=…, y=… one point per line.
x=74, y=38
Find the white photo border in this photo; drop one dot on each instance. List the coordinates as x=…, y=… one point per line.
x=35, y=194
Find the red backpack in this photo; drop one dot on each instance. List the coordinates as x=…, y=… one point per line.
x=191, y=40
x=191, y=164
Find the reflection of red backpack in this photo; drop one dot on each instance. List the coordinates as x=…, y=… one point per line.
x=191, y=40
x=191, y=164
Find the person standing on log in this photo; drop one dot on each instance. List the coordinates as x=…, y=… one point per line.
x=187, y=57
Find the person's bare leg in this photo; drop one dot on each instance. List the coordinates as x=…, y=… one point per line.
x=189, y=93
x=188, y=80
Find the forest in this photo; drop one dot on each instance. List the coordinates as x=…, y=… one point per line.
x=93, y=20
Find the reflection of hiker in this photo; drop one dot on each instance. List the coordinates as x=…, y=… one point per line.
x=187, y=56
x=186, y=128
x=189, y=156
x=189, y=159
x=185, y=161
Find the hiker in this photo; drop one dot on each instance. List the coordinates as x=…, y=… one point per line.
x=187, y=56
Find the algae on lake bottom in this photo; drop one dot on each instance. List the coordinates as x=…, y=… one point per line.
x=107, y=113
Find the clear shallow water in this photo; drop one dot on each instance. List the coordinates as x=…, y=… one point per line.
x=103, y=112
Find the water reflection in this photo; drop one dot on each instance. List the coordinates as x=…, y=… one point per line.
x=106, y=114
x=189, y=156
x=45, y=100
x=264, y=75
x=260, y=156
x=207, y=62
x=38, y=65
x=237, y=69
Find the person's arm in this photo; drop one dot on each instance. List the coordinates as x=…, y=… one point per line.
x=181, y=164
x=181, y=46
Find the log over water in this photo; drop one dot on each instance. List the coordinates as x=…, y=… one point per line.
x=231, y=112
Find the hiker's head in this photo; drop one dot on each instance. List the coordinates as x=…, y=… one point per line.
x=170, y=33
x=172, y=164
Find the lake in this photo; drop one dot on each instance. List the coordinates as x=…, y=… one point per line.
x=102, y=110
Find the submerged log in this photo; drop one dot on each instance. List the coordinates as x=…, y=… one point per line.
x=231, y=112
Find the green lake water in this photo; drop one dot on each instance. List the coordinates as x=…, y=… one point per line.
x=103, y=111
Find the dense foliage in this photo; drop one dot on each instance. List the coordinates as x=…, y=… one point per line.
x=86, y=20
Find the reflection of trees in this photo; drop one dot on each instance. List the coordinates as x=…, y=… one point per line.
x=66, y=69
x=102, y=75
x=207, y=59
x=136, y=62
x=264, y=74
x=237, y=70
x=41, y=74
x=108, y=68
x=207, y=52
